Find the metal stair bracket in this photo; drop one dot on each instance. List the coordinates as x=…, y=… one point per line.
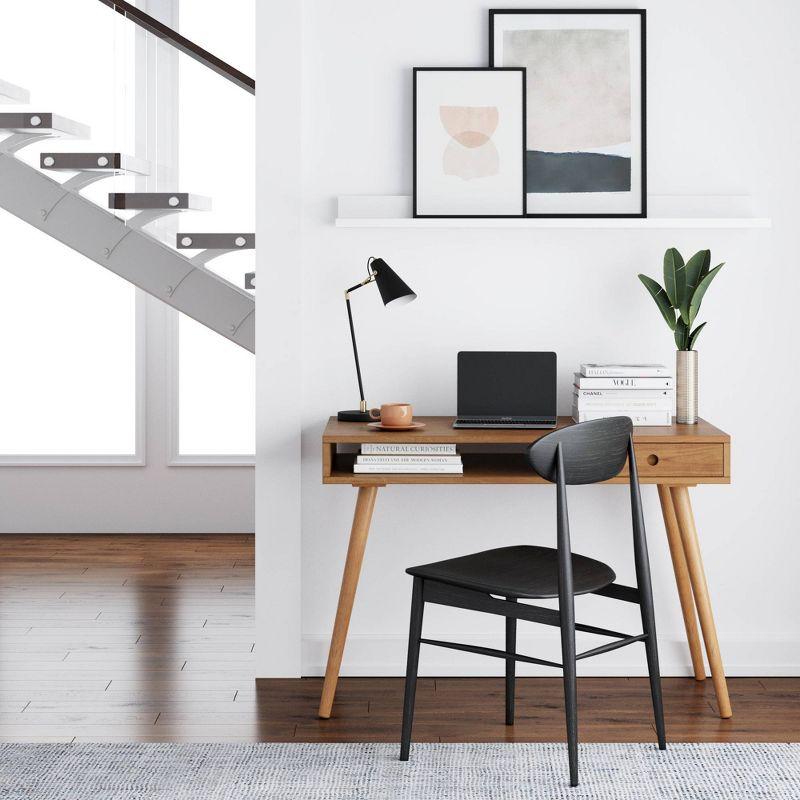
x=250, y=281
x=91, y=167
x=13, y=94
x=121, y=247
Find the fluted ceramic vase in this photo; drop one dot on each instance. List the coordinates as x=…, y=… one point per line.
x=686, y=386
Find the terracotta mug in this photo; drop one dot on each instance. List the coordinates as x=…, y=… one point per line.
x=393, y=414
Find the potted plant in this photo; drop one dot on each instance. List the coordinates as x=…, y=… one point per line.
x=685, y=285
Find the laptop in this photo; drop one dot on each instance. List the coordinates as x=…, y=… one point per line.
x=506, y=390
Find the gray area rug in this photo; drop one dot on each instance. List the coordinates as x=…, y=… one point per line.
x=372, y=772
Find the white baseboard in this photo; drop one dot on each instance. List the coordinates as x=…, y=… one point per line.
x=385, y=656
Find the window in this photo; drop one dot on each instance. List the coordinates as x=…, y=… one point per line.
x=68, y=328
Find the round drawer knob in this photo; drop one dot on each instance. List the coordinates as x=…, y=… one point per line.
x=652, y=459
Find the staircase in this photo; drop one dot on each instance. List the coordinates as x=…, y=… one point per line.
x=13, y=94
x=122, y=246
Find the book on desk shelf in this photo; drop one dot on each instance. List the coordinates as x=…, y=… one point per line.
x=584, y=382
x=625, y=371
x=414, y=459
x=410, y=469
x=405, y=449
x=403, y=457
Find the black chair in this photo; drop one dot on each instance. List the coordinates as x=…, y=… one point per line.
x=587, y=453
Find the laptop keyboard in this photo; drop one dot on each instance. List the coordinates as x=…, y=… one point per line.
x=501, y=421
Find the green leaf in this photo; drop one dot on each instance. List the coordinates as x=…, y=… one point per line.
x=696, y=268
x=694, y=334
x=706, y=266
x=674, y=277
x=681, y=335
x=662, y=301
x=702, y=288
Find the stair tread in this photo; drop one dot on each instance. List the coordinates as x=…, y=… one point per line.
x=94, y=162
x=9, y=93
x=146, y=201
x=215, y=241
x=32, y=121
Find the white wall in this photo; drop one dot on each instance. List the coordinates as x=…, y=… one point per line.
x=722, y=120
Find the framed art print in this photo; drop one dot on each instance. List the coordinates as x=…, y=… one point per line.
x=469, y=142
x=585, y=115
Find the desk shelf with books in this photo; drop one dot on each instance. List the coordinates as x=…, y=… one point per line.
x=679, y=454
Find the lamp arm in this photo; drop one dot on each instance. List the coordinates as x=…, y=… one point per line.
x=363, y=404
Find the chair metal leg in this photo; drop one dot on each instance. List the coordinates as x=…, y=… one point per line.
x=651, y=648
x=570, y=691
x=511, y=678
x=414, y=634
x=566, y=610
x=643, y=582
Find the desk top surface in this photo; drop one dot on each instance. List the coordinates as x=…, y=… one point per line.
x=441, y=430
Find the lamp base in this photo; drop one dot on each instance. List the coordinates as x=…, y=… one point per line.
x=354, y=416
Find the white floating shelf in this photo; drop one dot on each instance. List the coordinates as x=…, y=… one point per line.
x=394, y=211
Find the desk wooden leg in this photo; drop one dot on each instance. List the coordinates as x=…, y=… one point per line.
x=694, y=562
x=683, y=582
x=352, y=569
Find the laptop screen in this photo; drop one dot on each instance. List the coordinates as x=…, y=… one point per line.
x=506, y=384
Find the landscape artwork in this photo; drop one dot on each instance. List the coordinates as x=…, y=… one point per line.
x=585, y=152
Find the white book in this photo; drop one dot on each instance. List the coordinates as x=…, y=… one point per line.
x=399, y=448
x=625, y=371
x=622, y=404
x=637, y=417
x=421, y=469
x=408, y=459
x=582, y=382
x=625, y=394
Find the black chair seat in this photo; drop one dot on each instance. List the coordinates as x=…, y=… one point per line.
x=521, y=571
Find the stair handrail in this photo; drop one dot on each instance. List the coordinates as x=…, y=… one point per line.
x=167, y=34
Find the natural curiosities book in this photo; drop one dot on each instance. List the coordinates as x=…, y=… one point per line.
x=399, y=448
x=625, y=370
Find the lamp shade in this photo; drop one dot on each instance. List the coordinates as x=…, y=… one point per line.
x=392, y=287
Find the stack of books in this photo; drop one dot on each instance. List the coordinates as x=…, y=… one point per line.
x=643, y=392
x=408, y=458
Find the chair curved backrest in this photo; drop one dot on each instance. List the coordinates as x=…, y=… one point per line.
x=591, y=451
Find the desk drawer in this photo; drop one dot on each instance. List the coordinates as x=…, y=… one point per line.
x=680, y=460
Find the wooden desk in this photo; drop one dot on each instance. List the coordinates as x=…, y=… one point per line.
x=673, y=457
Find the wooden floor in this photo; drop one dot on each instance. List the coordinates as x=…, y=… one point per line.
x=150, y=638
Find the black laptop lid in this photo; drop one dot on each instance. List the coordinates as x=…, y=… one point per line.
x=506, y=384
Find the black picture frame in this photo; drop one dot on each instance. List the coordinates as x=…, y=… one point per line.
x=642, y=13
x=415, y=214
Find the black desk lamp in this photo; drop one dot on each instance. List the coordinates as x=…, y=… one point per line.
x=394, y=291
